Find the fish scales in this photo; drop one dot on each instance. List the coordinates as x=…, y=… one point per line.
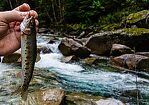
x=28, y=51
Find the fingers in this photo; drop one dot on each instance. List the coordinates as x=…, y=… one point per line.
x=16, y=25
x=33, y=13
x=23, y=7
x=37, y=24
x=18, y=14
x=11, y=16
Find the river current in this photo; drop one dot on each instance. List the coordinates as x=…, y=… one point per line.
x=87, y=79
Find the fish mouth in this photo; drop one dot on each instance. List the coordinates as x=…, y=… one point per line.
x=25, y=24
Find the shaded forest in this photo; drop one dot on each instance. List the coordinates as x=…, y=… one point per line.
x=79, y=14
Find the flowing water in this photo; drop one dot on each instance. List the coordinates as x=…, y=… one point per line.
x=77, y=77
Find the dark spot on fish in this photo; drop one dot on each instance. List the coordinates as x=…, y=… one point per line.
x=28, y=57
x=27, y=63
x=27, y=68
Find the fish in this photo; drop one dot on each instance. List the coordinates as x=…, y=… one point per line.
x=28, y=53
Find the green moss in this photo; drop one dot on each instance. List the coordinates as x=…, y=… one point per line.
x=134, y=17
x=134, y=31
x=109, y=27
x=77, y=26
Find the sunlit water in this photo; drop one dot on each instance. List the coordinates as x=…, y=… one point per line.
x=75, y=77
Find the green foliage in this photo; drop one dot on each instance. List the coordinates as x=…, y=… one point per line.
x=75, y=27
x=109, y=27
x=82, y=13
x=3, y=5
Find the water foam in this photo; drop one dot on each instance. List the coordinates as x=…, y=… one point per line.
x=5, y=67
x=93, y=80
x=52, y=60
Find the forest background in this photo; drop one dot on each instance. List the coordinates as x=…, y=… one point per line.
x=80, y=14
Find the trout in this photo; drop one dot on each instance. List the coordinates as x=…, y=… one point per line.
x=28, y=53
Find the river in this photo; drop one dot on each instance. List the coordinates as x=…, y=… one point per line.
x=77, y=77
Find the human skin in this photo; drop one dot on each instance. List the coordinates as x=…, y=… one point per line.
x=10, y=34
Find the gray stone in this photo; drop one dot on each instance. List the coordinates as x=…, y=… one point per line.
x=101, y=43
x=70, y=47
x=132, y=61
x=45, y=97
x=109, y=101
x=119, y=49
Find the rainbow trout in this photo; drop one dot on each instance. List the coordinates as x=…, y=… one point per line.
x=28, y=53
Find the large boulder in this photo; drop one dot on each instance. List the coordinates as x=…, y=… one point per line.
x=70, y=47
x=101, y=43
x=139, y=19
x=44, y=49
x=84, y=99
x=143, y=53
x=45, y=97
x=95, y=60
x=132, y=61
x=43, y=30
x=119, y=49
x=12, y=58
x=109, y=101
x=16, y=57
x=81, y=99
x=68, y=59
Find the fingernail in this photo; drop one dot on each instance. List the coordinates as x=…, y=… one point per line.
x=25, y=4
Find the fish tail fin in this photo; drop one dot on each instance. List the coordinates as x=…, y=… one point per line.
x=21, y=91
x=24, y=95
x=17, y=91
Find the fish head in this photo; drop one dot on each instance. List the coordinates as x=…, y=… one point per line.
x=25, y=23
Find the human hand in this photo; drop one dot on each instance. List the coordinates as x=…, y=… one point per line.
x=10, y=34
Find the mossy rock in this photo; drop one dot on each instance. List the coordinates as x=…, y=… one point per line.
x=139, y=19
x=136, y=38
x=101, y=43
x=109, y=27
x=135, y=31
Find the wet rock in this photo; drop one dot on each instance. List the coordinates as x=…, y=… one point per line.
x=81, y=99
x=44, y=49
x=139, y=19
x=74, y=33
x=52, y=40
x=70, y=47
x=16, y=57
x=82, y=34
x=109, y=101
x=45, y=97
x=119, y=49
x=143, y=53
x=131, y=93
x=98, y=44
x=101, y=43
x=132, y=61
x=90, y=61
x=69, y=59
x=12, y=58
x=43, y=30
x=95, y=60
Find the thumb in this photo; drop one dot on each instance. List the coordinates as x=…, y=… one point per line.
x=11, y=16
